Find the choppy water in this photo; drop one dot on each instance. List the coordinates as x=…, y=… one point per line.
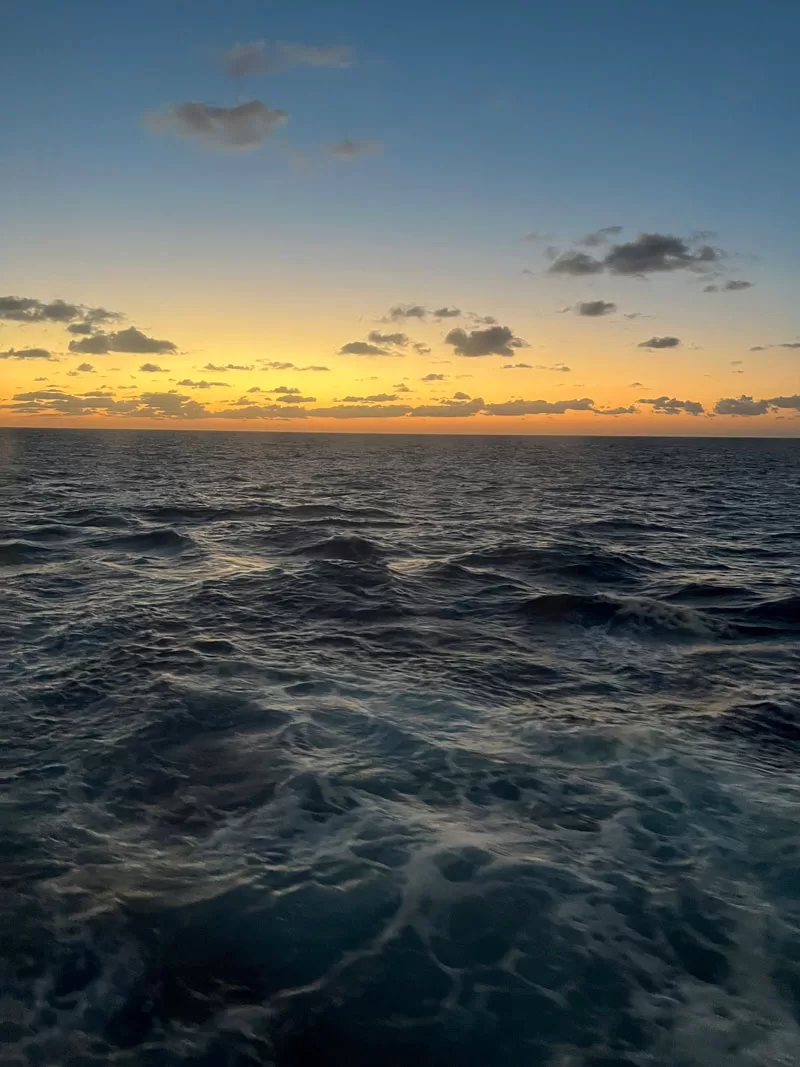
x=363, y=750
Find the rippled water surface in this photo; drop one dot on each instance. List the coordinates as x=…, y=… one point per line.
x=383, y=750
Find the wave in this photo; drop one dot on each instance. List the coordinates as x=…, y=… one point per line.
x=346, y=547
x=648, y=615
x=164, y=541
x=16, y=553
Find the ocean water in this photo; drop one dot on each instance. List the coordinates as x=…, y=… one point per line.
x=340, y=750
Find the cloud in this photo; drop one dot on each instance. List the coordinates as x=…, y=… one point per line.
x=660, y=342
x=130, y=340
x=153, y=368
x=201, y=384
x=631, y=410
x=535, y=236
x=656, y=252
x=171, y=405
x=348, y=150
x=636, y=385
x=288, y=389
x=449, y=409
x=274, y=364
x=576, y=264
x=666, y=405
x=461, y=396
x=401, y=387
x=362, y=411
x=600, y=237
x=87, y=368
x=517, y=366
x=362, y=348
x=376, y=398
x=237, y=128
x=81, y=327
x=28, y=353
x=539, y=407
x=731, y=286
x=378, y=338
x=257, y=57
x=433, y=378
x=27, y=309
x=407, y=311
x=743, y=405
x=423, y=350
x=561, y=368
x=220, y=369
x=493, y=341
x=595, y=308
x=293, y=397
x=484, y=320
x=446, y=313
x=790, y=344
x=792, y=402
x=265, y=411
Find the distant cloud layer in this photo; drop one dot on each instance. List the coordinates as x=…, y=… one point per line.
x=28, y=353
x=666, y=405
x=257, y=57
x=732, y=286
x=237, y=128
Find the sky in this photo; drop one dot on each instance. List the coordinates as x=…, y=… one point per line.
x=517, y=217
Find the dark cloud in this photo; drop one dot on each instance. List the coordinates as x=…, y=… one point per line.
x=449, y=409
x=561, y=368
x=293, y=397
x=274, y=364
x=461, y=396
x=262, y=411
x=666, y=405
x=401, y=387
x=743, y=405
x=229, y=366
x=289, y=390
x=636, y=385
x=483, y=320
x=600, y=237
x=171, y=405
x=731, y=286
x=81, y=327
x=257, y=57
x=86, y=368
x=660, y=342
x=631, y=410
x=791, y=402
x=378, y=338
x=189, y=384
x=493, y=341
x=790, y=344
x=576, y=264
x=130, y=340
x=651, y=253
x=423, y=350
x=446, y=313
x=407, y=311
x=153, y=368
x=348, y=150
x=28, y=353
x=376, y=398
x=539, y=407
x=433, y=378
x=244, y=126
x=363, y=348
x=595, y=308
x=362, y=411
x=27, y=309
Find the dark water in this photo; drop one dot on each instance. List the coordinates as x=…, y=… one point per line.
x=354, y=751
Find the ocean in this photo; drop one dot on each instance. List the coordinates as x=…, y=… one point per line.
x=358, y=750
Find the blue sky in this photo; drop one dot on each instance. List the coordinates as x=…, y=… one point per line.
x=494, y=120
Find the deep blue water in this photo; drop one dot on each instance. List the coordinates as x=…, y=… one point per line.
x=401, y=751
